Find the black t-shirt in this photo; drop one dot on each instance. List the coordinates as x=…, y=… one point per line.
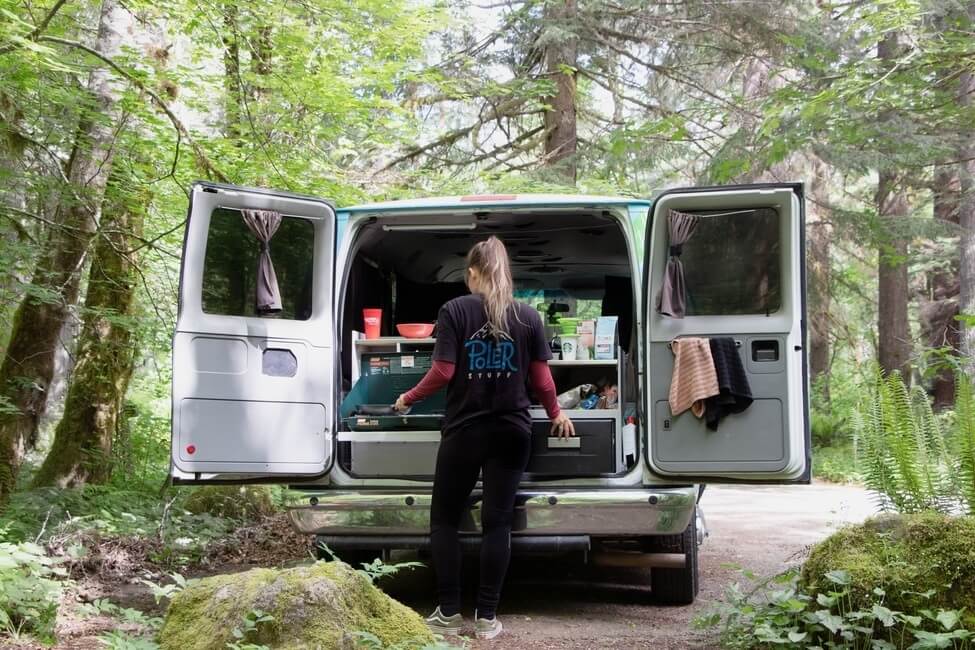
x=490, y=383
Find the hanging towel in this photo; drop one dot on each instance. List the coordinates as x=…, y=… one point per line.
x=694, y=378
x=735, y=393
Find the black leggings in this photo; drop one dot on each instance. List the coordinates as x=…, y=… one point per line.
x=501, y=452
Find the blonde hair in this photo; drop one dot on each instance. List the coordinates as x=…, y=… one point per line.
x=490, y=258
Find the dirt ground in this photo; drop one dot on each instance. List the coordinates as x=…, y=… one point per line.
x=565, y=605
x=557, y=604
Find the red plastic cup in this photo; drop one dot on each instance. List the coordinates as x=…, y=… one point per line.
x=372, y=320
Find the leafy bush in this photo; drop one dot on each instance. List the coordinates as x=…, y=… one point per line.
x=232, y=501
x=828, y=429
x=836, y=464
x=778, y=613
x=29, y=590
x=174, y=536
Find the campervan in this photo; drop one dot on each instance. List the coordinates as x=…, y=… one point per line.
x=274, y=380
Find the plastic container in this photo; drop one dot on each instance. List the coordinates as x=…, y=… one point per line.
x=415, y=330
x=372, y=320
x=568, y=326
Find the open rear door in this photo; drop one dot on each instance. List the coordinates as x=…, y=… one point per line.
x=253, y=369
x=743, y=259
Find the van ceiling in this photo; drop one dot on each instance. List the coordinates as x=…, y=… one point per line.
x=571, y=250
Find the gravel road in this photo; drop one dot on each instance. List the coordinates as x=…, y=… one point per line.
x=566, y=605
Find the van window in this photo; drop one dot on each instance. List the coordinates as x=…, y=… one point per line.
x=230, y=266
x=732, y=264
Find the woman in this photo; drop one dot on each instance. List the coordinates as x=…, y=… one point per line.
x=489, y=351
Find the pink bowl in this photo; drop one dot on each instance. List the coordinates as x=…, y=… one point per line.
x=415, y=330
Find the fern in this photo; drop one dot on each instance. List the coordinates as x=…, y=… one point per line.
x=964, y=439
x=901, y=449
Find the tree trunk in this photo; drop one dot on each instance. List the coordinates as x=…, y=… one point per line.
x=13, y=200
x=939, y=326
x=231, y=72
x=28, y=364
x=819, y=234
x=560, y=118
x=966, y=215
x=82, y=448
x=893, y=327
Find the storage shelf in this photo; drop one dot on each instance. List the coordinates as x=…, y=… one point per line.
x=578, y=414
x=392, y=340
x=388, y=436
x=583, y=362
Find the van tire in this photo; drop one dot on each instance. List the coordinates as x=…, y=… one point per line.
x=677, y=586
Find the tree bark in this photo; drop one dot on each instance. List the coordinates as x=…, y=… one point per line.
x=966, y=214
x=819, y=233
x=231, y=70
x=939, y=326
x=12, y=202
x=82, y=448
x=560, y=118
x=893, y=327
x=28, y=364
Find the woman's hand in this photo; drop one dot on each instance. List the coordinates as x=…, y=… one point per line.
x=562, y=426
x=401, y=406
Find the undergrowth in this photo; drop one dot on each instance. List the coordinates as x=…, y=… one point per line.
x=777, y=613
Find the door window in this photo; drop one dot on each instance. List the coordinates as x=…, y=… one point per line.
x=231, y=260
x=732, y=263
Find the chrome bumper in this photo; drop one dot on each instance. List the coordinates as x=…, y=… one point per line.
x=621, y=513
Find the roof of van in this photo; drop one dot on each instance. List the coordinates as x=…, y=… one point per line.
x=495, y=200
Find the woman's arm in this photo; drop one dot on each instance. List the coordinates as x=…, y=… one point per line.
x=544, y=387
x=438, y=376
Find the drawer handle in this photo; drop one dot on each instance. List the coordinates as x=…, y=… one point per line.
x=554, y=442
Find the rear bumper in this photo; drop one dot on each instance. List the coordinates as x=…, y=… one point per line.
x=608, y=513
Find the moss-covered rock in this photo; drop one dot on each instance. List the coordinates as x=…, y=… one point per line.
x=233, y=501
x=318, y=606
x=905, y=555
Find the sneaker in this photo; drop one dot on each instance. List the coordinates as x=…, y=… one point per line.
x=445, y=625
x=486, y=628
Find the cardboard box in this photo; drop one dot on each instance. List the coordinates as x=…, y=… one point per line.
x=606, y=337
x=587, y=339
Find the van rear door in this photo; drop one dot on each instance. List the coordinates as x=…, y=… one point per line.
x=253, y=371
x=734, y=257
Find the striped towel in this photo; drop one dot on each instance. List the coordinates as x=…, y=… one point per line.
x=694, y=378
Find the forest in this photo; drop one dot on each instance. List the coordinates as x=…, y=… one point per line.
x=109, y=110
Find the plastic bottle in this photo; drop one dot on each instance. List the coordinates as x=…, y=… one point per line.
x=629, y=438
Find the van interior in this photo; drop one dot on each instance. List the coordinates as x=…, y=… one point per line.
x=567, y=264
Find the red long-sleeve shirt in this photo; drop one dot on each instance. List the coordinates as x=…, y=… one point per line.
x=441, y=372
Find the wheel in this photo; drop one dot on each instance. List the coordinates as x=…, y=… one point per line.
x=677, y=586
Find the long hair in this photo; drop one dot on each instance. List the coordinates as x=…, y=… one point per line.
x=490, y=258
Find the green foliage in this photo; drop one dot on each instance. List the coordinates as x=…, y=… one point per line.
x=80, y=516
x=30, y=588
x=836, y=464
x=241, y=502
x=369, y=641
x=912, y=459
x=161, y=592
x=378, y=569
x=919, y=561
x=778, y=613
x=902, y=450
x=249, y=629
x=963, y=438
